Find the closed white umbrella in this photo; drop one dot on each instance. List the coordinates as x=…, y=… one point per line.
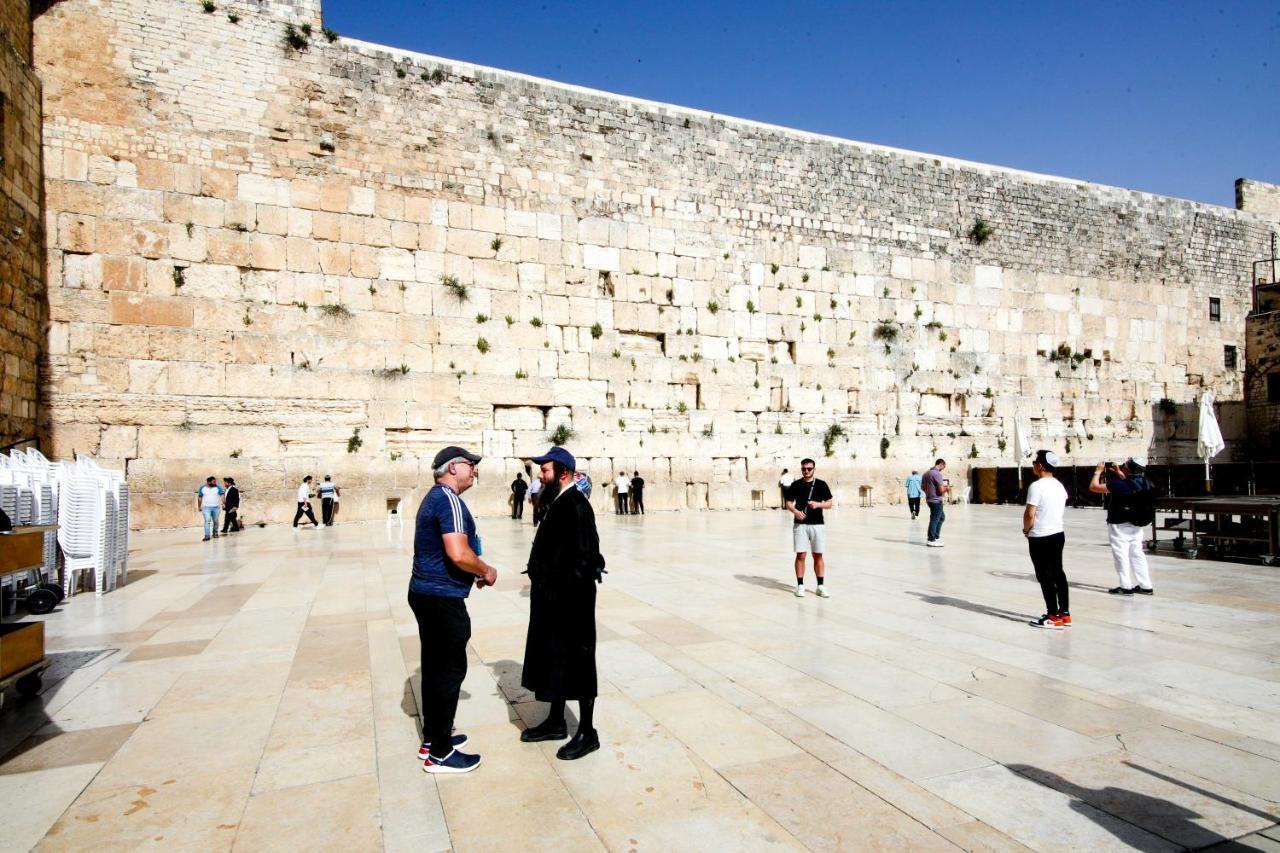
x=1022, y=448
x=1209, y=442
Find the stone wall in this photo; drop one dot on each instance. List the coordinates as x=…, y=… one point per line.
x=1258, y=197
x=267, y=261
x=22, y=307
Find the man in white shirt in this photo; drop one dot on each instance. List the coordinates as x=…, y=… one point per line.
x=1042, y=525
x=623, y=486
x=209, y=503
x=784, y=483
x=304, y=503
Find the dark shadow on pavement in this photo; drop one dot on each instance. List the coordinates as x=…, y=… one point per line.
x=1027, y=576
x=765, y=583
x=1121, y=811
x=972, y=607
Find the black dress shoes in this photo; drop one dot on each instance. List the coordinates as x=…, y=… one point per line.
x=546, y=730
x=583, y=743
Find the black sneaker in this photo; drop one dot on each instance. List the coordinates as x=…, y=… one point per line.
x=1140, y=591
x=454, y=762
x=1120, y=590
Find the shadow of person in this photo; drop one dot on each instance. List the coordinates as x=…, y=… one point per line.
x=765, y=583
x=1027, y=576
x=972, y=607
x=1119, y=810
x=526, y=710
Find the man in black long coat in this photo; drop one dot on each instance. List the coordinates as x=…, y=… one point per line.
x=564, y=566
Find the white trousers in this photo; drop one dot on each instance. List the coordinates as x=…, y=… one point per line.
x=1126, y=550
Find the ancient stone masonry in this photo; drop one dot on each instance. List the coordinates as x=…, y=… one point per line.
x=272, y=253
x=22, y=313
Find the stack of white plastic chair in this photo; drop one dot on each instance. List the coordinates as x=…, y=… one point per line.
x=44, y=484
x=81, y=513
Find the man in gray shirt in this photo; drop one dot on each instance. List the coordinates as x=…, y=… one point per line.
x=935, y=488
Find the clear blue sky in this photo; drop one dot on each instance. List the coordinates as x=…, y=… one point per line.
x=1173, y=98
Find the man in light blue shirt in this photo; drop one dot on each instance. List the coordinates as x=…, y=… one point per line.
x=913, y=493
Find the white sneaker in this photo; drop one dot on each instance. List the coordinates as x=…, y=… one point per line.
x=799, y=592
x=937, y=543
x=822, y=592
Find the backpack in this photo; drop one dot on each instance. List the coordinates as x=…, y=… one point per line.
x=1142, y=502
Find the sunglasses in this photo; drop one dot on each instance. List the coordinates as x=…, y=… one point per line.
x=806, y=469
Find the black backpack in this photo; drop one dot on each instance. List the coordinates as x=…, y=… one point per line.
x=1142, y=502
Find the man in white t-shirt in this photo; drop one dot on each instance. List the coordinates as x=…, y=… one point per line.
x=784, y=483
x=623, y=485
x=1042, y=525
x=304, y=503
x=209, y=503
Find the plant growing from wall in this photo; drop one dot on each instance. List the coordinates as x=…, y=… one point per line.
x=681, y=407
x=536, y=322
x=520, y=374
x=597, y=331
x=355, y=442
x=482, y=345
x=209, y=7
x=773, y=268
x=973, y=451
x=886, y=331
x=296, y=39
x=330, y=35
x=804, y=279
x=981, y=231
x=561, y=435
x=400, y=72
x=392, y=372
x=834, y=433
x=179, y=276
x=884, y=447
x=751, y=307
x=713, y=306
x=395, y=455
x=336, y=311
x=235, y=454
x=496, y=244
x=457, y=288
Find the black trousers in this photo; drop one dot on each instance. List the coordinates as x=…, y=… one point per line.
x=622, y=503
x=304, y=507
x=1046, y=556
x=230, y=521
x=444, y=627
x=517, y=505
x=637, y=503
x=538, y=510
x=914, y=505
x=326, y=510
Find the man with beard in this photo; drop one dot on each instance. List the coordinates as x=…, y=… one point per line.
x=564, y=567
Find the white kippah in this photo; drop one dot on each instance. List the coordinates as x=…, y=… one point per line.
x=1052, y=458
x=1140, y=461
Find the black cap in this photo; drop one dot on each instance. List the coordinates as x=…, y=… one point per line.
x=450, y=453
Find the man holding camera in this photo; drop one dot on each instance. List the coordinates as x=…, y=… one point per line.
x=1130, y=509
x=806, y=499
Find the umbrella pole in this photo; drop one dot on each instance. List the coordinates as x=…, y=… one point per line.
x=1208, y=482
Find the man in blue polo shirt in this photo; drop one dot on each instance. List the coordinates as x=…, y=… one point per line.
x=446, y=563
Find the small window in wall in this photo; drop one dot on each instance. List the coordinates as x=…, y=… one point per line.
x=1215, y=309
x=1273, y=387
x=1229, y=357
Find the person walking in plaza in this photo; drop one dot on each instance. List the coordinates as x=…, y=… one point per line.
x=806, y=499
x=784, y=483
x=518, y=488
x=565, y=565
x=1043, y=527
x=328, y=491
x=209, y=504
x=304, y=503
x=446, y=564
x=637, y=494
x=231, y=506
x=622, y=485
x=935, y=490
x=913, y=494
x=1130, y=508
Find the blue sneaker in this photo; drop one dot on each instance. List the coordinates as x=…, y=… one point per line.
x=425, y=749
x=454, y=762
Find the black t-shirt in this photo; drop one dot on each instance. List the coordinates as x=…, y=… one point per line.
x=518, y=488
x=637, y=484
x=802, y=492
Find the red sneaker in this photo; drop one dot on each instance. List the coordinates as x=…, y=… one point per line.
x=1064, y=619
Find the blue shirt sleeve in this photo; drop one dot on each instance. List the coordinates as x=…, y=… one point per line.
x=447, y=512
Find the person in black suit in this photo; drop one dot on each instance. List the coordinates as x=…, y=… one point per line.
x=231, y=503
x=564, y=567
x=518, y=488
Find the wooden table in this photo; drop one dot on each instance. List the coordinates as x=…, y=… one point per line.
x=1210, y=523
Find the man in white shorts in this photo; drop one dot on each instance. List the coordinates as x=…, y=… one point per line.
x=806, y=499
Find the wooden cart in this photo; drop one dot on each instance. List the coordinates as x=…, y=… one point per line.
x=1211, y=523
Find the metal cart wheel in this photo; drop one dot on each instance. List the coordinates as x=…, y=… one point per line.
x=1269, y=561
x=55, y=589
x=29, y=684
x=1191, y=553
x=40, y=601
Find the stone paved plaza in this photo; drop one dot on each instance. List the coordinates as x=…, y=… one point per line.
x=258, y=692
